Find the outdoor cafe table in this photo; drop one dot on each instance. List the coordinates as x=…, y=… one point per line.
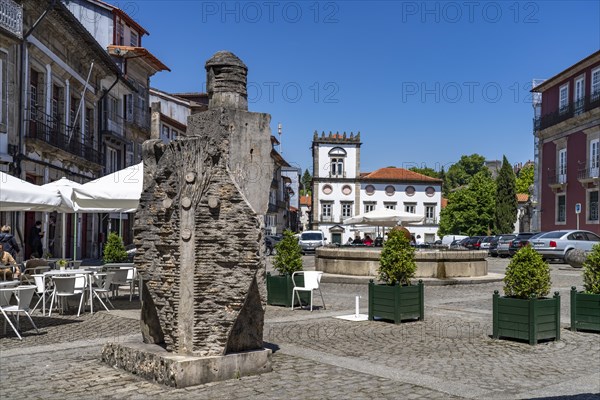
x=67, y=272
x=7, y=284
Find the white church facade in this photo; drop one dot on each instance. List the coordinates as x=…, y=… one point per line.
x=341, y=191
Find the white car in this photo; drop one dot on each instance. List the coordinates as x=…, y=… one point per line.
x=556, y=244
x=310, y=240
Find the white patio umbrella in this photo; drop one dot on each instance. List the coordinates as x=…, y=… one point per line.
x=19, y=195
x=116, y=192
x=65, y=187
x=384, y=217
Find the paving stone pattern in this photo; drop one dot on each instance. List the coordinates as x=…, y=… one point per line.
x=449, y=355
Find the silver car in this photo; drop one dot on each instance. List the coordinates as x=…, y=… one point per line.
x=556, y=244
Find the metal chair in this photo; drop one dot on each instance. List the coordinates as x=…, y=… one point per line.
x=312, y=281
x=64, y=286
x=23, y=294
x=104, y=283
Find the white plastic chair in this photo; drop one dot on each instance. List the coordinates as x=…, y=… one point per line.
x=42, y=289
x=64, y=286
x=23, y=294
x=119, y=278
x=104, y=283
x=312, y=281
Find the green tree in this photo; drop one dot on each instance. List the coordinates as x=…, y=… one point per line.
x=461, y=173
x=426, y=171
x=525, y=179
x=114, y=250
x=288, y=257
x=506, y=199
x=306, y=183
x=397, y=262
x=470, y=210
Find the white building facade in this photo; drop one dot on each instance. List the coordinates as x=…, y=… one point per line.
x=341, y=191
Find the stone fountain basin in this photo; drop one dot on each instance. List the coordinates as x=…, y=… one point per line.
x=439, y=264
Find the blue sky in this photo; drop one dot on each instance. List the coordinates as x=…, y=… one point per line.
x=424, y=82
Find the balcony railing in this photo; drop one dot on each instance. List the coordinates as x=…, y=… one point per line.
x=113, y=124
x=56, y=134
x=569, y=111
x=326, y=218
x=11, y=17
x=430, y=221
x=588, y=173
x=555, y=178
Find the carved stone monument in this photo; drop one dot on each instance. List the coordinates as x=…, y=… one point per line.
x=199, y=238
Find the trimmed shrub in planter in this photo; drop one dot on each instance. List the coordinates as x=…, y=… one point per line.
x=525, y=313
x=585, y=305
x=114, y=250
x=287, y=260
x=396, y=299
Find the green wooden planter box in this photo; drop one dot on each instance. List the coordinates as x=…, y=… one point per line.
x=585, y=311
x=396, y=303
x=279, y=290
x=526, y=319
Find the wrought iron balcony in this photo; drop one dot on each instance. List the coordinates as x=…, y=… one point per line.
x=567, y=112
x=430, y=221
x=589, y=174
x=556, y=179
x=326, y=218
x=47, y=130
x=11, y=17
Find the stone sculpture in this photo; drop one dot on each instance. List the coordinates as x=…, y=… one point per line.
x=198, y=231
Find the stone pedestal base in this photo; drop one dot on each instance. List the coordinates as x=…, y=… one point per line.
x=154, y=363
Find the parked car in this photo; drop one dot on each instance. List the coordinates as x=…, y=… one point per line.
x=485, y=243
x=473, y=242
x=504, y=244
x=518, y=242
x=449, y=239
x=556, y=244
x=493, y=246
x=271, y=241
x=537, y=235
x=310, y=240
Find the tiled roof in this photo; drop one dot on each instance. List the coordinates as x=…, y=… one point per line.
x=398, y=174
x=305, y=201
x=123, y=51
x=522, y=197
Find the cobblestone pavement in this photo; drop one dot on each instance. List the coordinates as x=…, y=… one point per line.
x=449, y=355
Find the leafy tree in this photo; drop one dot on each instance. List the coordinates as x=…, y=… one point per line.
x=288, y=257
x=506, y=199
x=114, y=250
x=461, y=173
x=470, y=210
x=527, y=275
x=306, y=181
x=591, y=271
x=426, y=171
x=397, y=262
x=525, y=179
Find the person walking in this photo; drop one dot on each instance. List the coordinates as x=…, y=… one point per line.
x=35, y=240
x=9, y=241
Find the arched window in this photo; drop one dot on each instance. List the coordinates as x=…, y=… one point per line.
x=337, y=156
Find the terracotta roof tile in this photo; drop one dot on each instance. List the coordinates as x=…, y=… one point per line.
x=522, y=197
x=305, y=201
x=398, y=174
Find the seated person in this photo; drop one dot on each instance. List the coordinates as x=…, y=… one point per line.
x=357, y=240
x=7, y=264
x=378, y=241
x=368, y=241
x=349, y=241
